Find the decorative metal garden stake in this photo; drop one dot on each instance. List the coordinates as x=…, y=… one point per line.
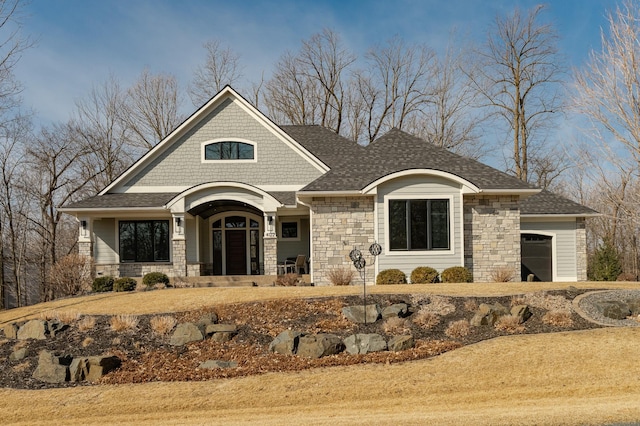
x=360, y=263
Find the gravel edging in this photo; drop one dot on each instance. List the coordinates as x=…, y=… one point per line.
x=584, y=305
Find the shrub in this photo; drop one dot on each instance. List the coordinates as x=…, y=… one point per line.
x=470, y=305
x=123, y=322
x=71, y=275
x=391, y=276
x=558, y=318
x=340, y=276
x=627, y=276
x=439, y=305
x=153, y=278
x=162, y=324
x=605, y=265
x=124, y=284
x=426, y=319
x=396, y=325
x=456, y=274
x=502, y=274
x=102, y=284
x=288, y=280
x=458, y=329
x=86, y=323
x=424, y=275
x=509, y=323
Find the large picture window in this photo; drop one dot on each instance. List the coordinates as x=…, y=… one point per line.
x=419, y=224
x=228, y=151
x=144, y=241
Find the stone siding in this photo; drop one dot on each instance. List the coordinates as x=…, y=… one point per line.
x=270, y=261
x=338, y=225
x=179, y=258
x=491, y=235
x=85, y=248
x=581, y=250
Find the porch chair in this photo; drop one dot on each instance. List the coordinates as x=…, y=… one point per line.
x=286, y=267
x=301, y=263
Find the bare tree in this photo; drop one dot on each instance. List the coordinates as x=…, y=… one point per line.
x=12, y=45
x=451, y=119
x=309, y=87
x=519, y=76
x=606, y=94
x=221, y=67
x=395, y=85
x=98, y=124
x=151, y=108
x=58, y=157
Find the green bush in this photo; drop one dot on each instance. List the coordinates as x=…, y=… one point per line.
x=124, y=284
x=102, y=284
x=605, y=264
x=456, y=274
x=424, y=275
x=153, y=278
x=391, y=276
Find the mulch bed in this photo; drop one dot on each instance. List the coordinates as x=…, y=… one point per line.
x=149, y=357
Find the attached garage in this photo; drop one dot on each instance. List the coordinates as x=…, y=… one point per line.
x=537, y=257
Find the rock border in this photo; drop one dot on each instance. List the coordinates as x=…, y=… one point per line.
x=582, y=304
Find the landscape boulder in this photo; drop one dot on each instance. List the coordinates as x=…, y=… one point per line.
x=286, y=343
x=522, y=312
x=34, y=329
x=11, y=331
x=55, y=326
x=185, y=333
x=365, y=343
x=92, y=368
x=613, y=309
x=52, y=369
x=360, y=315
x=319, y=345
x=211, y=364
x=18, y=354
x=395, y=310
x=207, y=319
x=221, y=332
x=488, y=314
x=401, y=343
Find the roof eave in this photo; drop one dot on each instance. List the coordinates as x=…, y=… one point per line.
x=559, y=215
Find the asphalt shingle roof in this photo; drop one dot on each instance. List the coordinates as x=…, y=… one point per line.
x=397, y=151
x=353, y=167
x=548, y=203
x=132, y=200
x=331, y=148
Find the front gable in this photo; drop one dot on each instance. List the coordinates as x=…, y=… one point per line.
x=279, y=163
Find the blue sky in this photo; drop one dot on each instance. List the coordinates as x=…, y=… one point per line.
x=80, y=42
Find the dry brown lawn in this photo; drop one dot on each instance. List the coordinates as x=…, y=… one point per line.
x=586, y=377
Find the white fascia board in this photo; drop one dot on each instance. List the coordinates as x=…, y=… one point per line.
x=111, y=209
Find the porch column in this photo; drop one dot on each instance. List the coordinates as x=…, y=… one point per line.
x=179, y=246
x=270, y=239
x=85, y=243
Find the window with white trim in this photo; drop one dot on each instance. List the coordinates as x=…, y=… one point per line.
x=419, y=224
x=144, y=240
x=229, y=150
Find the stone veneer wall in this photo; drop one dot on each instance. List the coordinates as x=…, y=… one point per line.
x=491, y=235
x=270, y=256
x=581, y=249
x=337, y=225
x=179, y=258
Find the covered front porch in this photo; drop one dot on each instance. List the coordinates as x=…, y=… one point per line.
x=211, y=230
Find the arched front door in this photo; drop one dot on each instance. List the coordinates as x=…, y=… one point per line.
x=537, y=257
x=236, y=243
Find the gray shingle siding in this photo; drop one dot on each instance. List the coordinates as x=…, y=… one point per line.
x=180, y=163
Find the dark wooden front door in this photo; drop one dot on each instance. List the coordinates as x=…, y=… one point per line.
x=536, y=252
x=236, y=252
